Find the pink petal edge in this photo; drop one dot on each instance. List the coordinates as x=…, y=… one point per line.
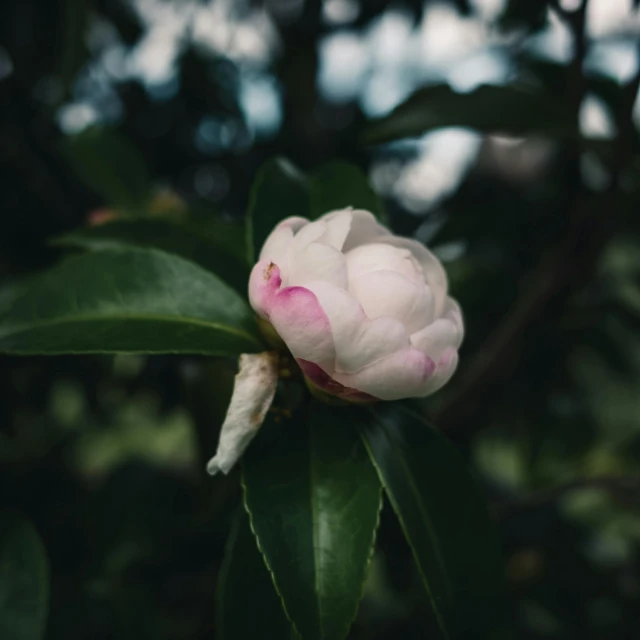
x=321, y=379
x=295, y=314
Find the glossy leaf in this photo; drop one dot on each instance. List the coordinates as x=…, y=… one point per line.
x=187, y=241
x=134, y=300
x=444, y=517
x=246, y=598
x=24, y=580
x=314, y=500
x=110, y=165
x=341, y=184
x=279, y=191
x=501, y=109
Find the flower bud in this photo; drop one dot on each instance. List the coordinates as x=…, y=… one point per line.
x=365, y=313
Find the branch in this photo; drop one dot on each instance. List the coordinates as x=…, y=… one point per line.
x=565, y=268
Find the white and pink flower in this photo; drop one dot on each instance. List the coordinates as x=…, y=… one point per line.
x=365, y=313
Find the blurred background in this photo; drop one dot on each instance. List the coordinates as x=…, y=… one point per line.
x=518, y=162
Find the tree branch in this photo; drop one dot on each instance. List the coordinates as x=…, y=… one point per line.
x=565, y=268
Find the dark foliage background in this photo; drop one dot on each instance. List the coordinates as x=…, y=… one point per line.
x=168, y=108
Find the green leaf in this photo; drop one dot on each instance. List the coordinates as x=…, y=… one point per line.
x=279, y=191
x=246, y=598
x=213, y=226
x=24, y=580
x=184, y=240
x=11, y=291
x=314, y=501
x=338, y=185
x=110, y=165
x=505, y=109
x=132, y=300
x=444, y=517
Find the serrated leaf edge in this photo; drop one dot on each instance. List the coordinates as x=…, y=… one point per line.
x=271, y=573
x=394, y=504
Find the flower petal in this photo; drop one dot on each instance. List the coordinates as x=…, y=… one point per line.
x=295, y=314
x=331, y=230
x=445, y=333
x=388, y=293
x=364, y=227
x=433, y=271
x=325, y=382
x=382, y=257
x=277, y=245
x=318, y=262
x=338, y=228
x=444, y=370
x=358, y=341
x=403, y=374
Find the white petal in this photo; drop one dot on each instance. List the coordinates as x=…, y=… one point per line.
x=403, y=374
x=253, y=392
x=311, y=232
x=358, y=341
x=277, y=243
x=434, y=274
x=331, y=231
x=452, y=312
x=338, y=228
x=445, y=369
x=445, y=333
x=317, y=262
x=276, y=246
x=383, y=257
x=364, y=227
x=388, y=293
x=307, y=234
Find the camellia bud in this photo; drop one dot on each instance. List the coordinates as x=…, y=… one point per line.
x=365, y=313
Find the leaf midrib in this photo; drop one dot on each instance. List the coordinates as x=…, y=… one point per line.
x=424, y=516
x=23, y=327
x=317, y=579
